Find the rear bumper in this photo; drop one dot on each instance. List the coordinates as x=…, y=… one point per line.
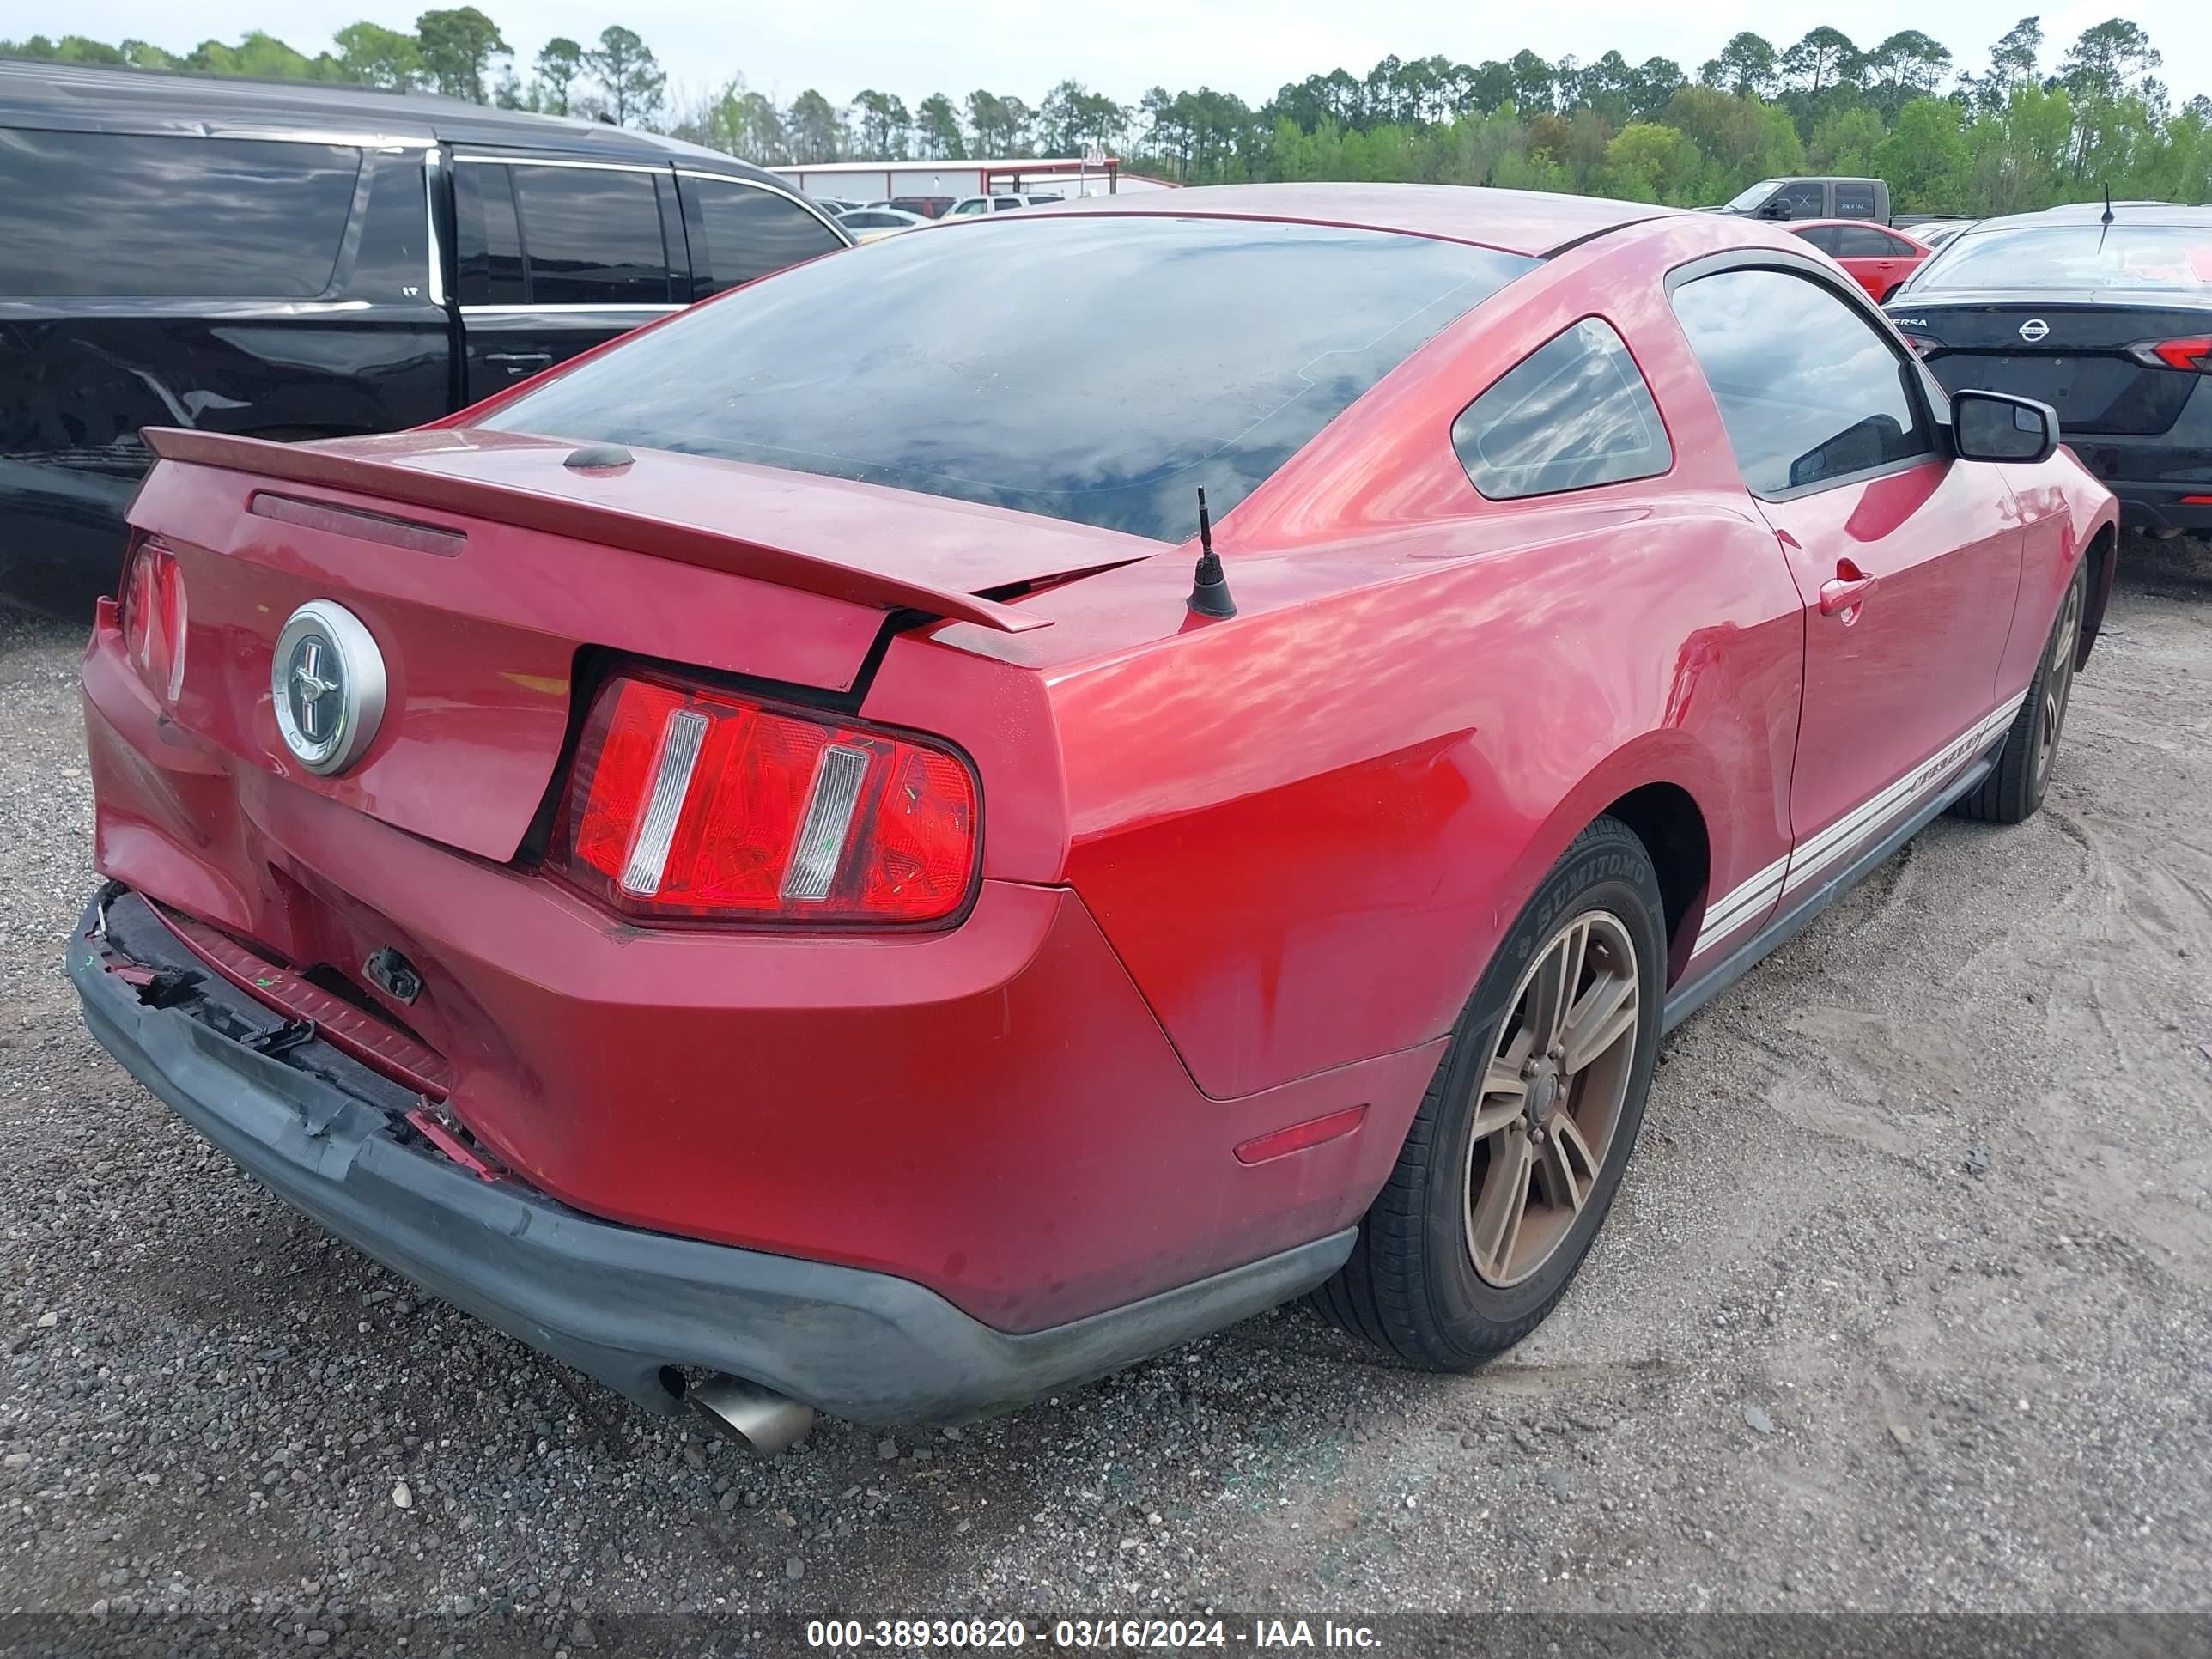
x=990, y=1112
x=2150, y=508
x=616, y=1302
x=2159, y=484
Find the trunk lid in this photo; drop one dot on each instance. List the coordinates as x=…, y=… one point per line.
x=2077, y=362
x=481, y=566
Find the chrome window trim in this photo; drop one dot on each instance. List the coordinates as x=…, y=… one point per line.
x=460, y=160
x=435, y=247
x=214, y=309
x=383, y=143
x=792, y=196
x=656, y=308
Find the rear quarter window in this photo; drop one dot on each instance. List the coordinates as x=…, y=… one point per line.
x=751, y=232
x=1573, y=414
x=116, y=215
x=391, y=262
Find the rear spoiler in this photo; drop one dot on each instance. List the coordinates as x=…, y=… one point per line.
x=585, y=521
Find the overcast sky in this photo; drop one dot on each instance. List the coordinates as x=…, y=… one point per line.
x=1250, y=47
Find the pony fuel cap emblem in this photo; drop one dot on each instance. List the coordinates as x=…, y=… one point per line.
x=327, y=680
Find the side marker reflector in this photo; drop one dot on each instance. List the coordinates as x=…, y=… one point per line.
x=1299, y=1136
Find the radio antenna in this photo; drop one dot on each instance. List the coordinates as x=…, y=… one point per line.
x=1209, y=592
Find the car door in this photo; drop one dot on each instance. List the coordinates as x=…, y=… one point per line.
x=1822, y=237
x=1877, y=261
x=553, y=257
x=1908, y=561
x=1801, y=198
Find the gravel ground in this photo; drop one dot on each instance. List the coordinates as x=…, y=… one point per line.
x=1903, y=1309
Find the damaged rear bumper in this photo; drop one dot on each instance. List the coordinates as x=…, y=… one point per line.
x=329, y=1137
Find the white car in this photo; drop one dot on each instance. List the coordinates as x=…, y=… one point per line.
x=969, y=206
x=870, y=224
x=1941, y=231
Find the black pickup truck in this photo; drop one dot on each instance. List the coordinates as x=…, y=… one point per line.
x=289, y=260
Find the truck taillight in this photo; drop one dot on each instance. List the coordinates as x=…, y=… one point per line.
x=153, y=614
x=692, y=803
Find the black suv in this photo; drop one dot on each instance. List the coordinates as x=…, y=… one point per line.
x=291, y=260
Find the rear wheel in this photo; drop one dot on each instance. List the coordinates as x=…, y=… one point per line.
x=2014, y=786
x=1514, y=1155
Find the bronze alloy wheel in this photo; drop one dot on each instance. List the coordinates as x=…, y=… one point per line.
x=1512, y=1160
x=1551, y=1096
x=2057, y=684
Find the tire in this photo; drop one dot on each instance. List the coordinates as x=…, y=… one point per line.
x=2014, y=786
x=1413, y=1285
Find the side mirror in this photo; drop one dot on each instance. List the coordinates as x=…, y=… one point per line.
x=1993, y=426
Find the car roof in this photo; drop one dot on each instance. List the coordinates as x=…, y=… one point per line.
x=2123, y=213
x=77, y=97
x=1806, y=224
x=1514, y=221
x=1903, y=232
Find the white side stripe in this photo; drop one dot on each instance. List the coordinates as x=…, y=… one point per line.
x=1746, y=903
x=1856, y=828
x=1733, y=909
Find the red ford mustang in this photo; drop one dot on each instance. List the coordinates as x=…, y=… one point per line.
x=786, y=861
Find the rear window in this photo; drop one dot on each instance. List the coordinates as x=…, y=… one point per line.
x=1854, y=201
x=1097, y=369
x=86, y=214
x=2090, y=255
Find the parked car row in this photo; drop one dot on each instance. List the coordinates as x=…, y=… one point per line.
x=870, y=221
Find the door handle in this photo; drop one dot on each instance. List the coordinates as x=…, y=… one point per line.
x=515, y=362
x=1845, y=592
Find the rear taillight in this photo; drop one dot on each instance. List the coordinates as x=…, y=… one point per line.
x=1922, y=345
x=688, y=803
x=153, y=614
x=2193, y=353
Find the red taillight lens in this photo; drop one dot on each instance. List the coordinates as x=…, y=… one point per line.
x=1922, y=345
x=155, y=615
x=2194, y=353
x=691, y=802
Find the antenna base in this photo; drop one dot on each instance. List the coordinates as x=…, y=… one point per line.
x=1209, y=592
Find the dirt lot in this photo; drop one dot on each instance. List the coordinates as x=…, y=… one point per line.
x=1903, y=1307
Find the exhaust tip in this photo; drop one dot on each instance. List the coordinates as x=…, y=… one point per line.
x=761, y=1418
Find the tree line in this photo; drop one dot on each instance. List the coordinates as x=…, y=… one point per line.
x=2013, y=134
x=459, y=52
